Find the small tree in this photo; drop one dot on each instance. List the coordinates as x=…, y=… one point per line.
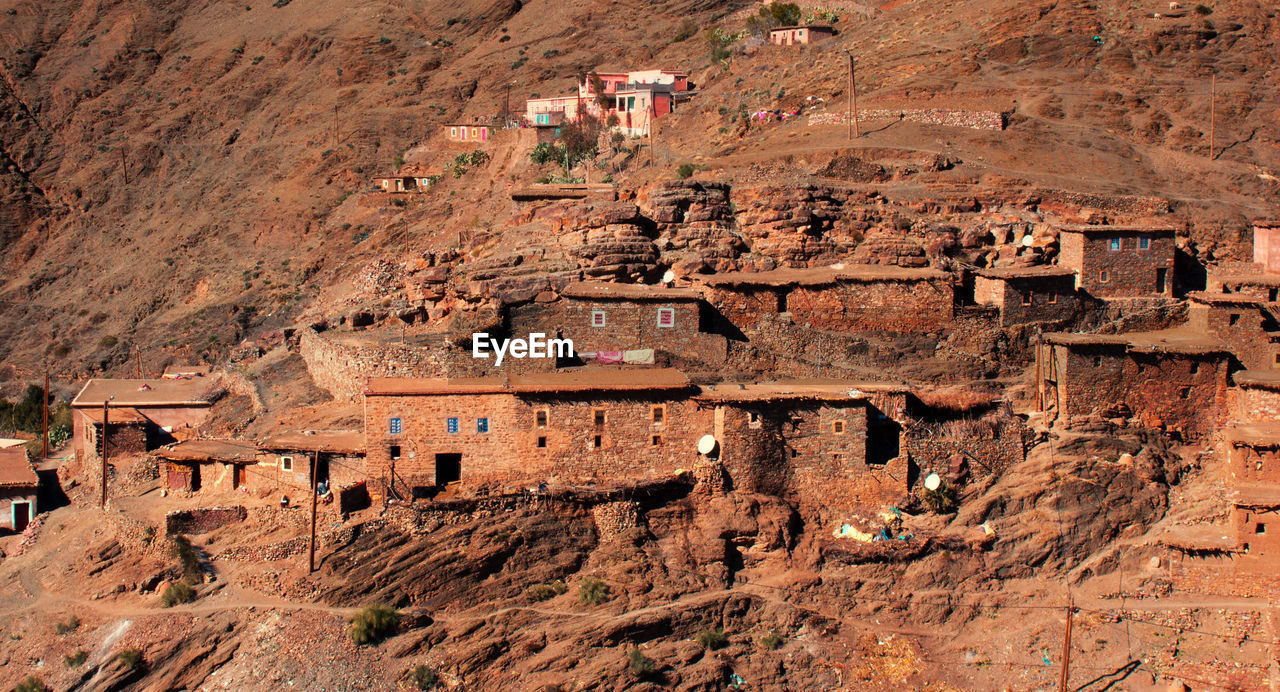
x=372, y=624
x=130, y=659
x=712, y=639
x=75, y=660
x=685, y=170
x=71, y=625
x=186, y=554
x=542, y=592
x=641, y=666
x=176, y=593
x=592, y=591
x=942, y=500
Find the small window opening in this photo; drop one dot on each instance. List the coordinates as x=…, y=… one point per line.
x=597, y=318
x=1097, y=361
x=1053, y=298
x=482, y=425
x=1260, y=528
x=286, y=463
x=753, y=419
x=1233, y=318
x=540, y=419
x=542, y=441
x=666, y=317
x=452, y=426
x=656, y=440
x=1115, y=244
x=1104, y=276
x=597, y=441
x=1144, y=243
x=396, y=426
x=659, y=415
x=394, y=451
x=794, y=453
x=597, y=418
x=1195, y=368
x=1026, y=297
x=1185, y=393
x=837, y=427
x=1273, y=294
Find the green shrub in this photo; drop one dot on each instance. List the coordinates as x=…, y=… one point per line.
x=423, y=678
x=712, y=639
x=641, y=666
x=75, y=660
x=687, y=29
x=771, y=641
x=685, y=170
x=942, y=500
x=188, y=558
x=32, y=684
x=1204, y=10
x=71, y=625
x=592, y=591
x=372, y=624
x=130, y=659
x=176, y=593
x=542, y=592
x=107, y=341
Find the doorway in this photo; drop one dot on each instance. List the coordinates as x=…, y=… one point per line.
x=21, y=515
x=240, y=477
x=448, y=468
x=1162, y=278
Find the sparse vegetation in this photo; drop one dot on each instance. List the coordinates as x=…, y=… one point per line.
x=712, y=638
x=372, y=624
x=942, y=500
x=177, y=593
x=130, y=659
x=32, y=684
x=686, y=169
x=592, y=591
x=1204, y=10
x=687, y=29
x=108, y=341
x=423, y=678
x=542, y=592
x=718, y=42
x=771, y=641
x=70, y=625
x=641, y=666
x=76, y=659
x=773, y=15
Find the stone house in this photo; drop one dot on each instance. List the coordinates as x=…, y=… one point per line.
x=800, y=35
x=1255, y=396
x=142, y=414
x=1119, y=261
x=285, y=459
x=612, y=317
x=1266, y=245
x=1027, y=295
x=1242, y=321
x=209, y=466
x=842, y=298
x=18, y=487
x=1176, y=381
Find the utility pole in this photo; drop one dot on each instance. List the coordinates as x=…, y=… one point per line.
x=853, y=102
x=103, y=502
x=335, y=125
x=1213, y=107
x=506, y=107
x=1066, y=652
x=311, y=549
x=44, y=418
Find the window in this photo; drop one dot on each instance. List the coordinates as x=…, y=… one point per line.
x=1195, y=368
x=286, y=463
x=453, y=132
x=837, y=427
x=482, y=425
x=1026, y=297
x=1278, y=359
x=597, y=318
x=753, y=419
x=1104, y=276
x=396, y=426
x=542, y=442
x=1115, y=244
x=540, y=418
x=1053, y=298
x=1273, y=294
x=394, y=452
x=666, y=317
x=597, y=418
x=837, y=458
x=659, y=415
x=452, y=426
x=1233, y=318
x=1097, y=361
x=1260, y=528
x=1185, y=393
x=597, y=442
x=656, y=440
x=1144, y=243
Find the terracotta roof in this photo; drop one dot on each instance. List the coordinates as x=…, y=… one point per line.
x=600, y=379
x=1126, y=228
x=231, y=451
x=343, y=441
x=1258, y=496
x=1269, y=379
x=1223, y=298
x=818, y=276
x=599, y=290
x=1254, y=434
x=16, y=470
x=1034, y=272
x=406, y=386
x=1203, y=537
x=796, y=390
x=153, y=392
x=116, y=414
x=1169, y=341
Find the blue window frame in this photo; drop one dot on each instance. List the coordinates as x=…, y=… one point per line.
x=1115, y=243
x=1144, y=243
x=482, y=425
x=396, y=426
x=452, y=426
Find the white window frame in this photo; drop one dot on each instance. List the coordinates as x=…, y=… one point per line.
x=667, y=311
x=286, y=463
x=598, y=319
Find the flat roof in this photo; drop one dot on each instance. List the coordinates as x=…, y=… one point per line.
x=579, y=380
x=1258, y=496
x=599, y=290
x=796, y=390
x=1168, y=341
x=332, y=441
x=1203, y=537
x=16, y=470
x=816, y=276
x=1032, y=272
x=1125, y=228
x=195, y=391
x=230, y=451
x=1223, y=298
x=117, y=414
x=803, y=26
x=1256, y=279
x=173, y=371
x=1254, y=434
x=1269, y=379
x=411, y=386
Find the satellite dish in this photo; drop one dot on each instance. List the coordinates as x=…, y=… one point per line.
x=933, y=482
x=668, y=277
x=707, y=444
x=1026, y=240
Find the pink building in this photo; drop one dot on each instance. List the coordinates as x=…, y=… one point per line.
x=1266, y=245
x=793, y=35
x=467, y=134
x=638, y=98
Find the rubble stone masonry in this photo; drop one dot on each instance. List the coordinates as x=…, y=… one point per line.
x=1113, y=264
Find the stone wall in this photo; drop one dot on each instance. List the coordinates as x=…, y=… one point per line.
x=851, y=306
x=1129, y=271
x=1253, y=404
x=1029, y=300
x=197, y=521
x=628, y=325
x=975, y=120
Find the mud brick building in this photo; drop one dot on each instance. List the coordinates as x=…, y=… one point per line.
x=143, y=414
x=1174, y=381
x=600, y=316
x=1256, y=396
x=568, y=427
x=1242, y=321
x=1253, y=284
x=18, y=487
x=207, y=465
x=287, y=458
x=1027, y=295
x=1266, y=245
x=849, y=298
x=828, y=446
x=1119, y=261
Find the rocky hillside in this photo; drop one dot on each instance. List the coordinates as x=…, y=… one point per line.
x=179, y=176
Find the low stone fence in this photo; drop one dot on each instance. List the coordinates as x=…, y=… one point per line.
x=974, y=120
x=197, y=521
